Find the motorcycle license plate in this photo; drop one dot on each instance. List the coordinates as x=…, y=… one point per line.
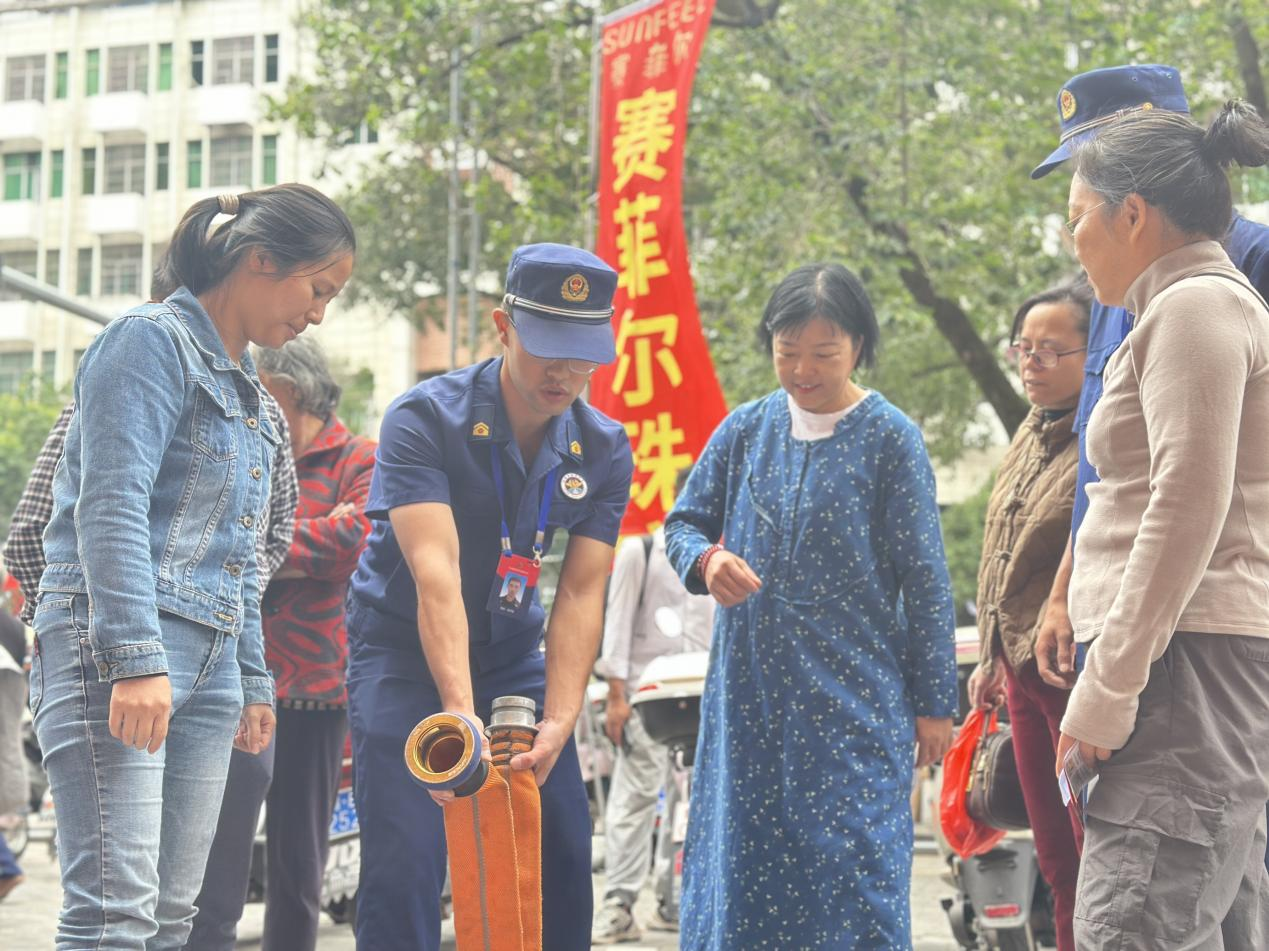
x=343, y=820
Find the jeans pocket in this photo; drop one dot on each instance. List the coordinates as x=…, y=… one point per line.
x=1149, y=853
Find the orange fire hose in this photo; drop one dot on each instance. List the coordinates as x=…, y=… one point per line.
x=493, y=826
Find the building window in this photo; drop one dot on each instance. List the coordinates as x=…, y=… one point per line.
x=196, y=62
x=58, y=174
x=88, y=171
x=16, y=370
x=83, y=276
x=231, y=161
x=269, y=171
x=125, y=169
x=22, y=176
x=271, y=58
x=62, y=88
x=121, y=271
x=23, y=261
x=364, y=134
x=234, y=60
x=127, y=69
x=52, y=267
x=162, y=166
x=165, y=67
x=92, y=72
x=194, y=165
x=48, y=364
x=24, y=78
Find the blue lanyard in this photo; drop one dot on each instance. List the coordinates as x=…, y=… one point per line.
x=544, y=507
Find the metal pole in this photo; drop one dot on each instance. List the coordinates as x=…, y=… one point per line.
x=451, y=277
x=473, y=233
x=592, y=132
x=32, y=289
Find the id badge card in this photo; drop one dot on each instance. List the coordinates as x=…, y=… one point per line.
x=512, y=592
x=1075, y=776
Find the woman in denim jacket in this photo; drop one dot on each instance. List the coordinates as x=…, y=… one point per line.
x=149, y=649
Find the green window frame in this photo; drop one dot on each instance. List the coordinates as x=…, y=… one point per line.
x=162, y=166
x=271, y=58
x=194, y=165
x=196, y=62
x=88, y=172
x=83, y=278
x=92, y=72
x=61, y=88
x=57, y=176
x=165, y=67
x=269, y=162
x=22, y=176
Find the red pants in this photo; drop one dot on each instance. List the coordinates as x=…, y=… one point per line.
x=1035, y=713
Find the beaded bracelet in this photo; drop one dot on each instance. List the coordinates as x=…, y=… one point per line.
x=703, y=562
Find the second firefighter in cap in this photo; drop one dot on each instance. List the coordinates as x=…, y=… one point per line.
x=476, y=471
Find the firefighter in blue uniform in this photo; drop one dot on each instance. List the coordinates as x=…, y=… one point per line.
x=475, y=472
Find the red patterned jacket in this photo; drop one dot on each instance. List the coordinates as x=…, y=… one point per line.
x=305, y=643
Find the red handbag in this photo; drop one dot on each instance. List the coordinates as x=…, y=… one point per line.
x=966, y=835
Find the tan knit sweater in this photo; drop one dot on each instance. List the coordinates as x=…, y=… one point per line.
x=1177, y=531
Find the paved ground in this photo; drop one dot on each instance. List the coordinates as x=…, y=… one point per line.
x=28, y=915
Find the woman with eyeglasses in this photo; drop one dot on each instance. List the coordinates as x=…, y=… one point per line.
x=1028, y=520
x=1170, y=590
x=811, y=519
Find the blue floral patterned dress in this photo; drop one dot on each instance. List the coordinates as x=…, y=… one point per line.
x=800, y=834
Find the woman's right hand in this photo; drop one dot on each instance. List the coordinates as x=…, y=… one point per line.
x=1055, y=648
x=139, y=711
x=987, y=687
x=729, y=579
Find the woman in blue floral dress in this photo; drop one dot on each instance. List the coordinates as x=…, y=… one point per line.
x=811, y=518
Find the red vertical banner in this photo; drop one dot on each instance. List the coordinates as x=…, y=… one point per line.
x=662, y=386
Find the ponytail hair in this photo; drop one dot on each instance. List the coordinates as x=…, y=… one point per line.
x=1174, y=164
x=294, y=226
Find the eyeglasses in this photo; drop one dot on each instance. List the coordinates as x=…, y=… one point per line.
x=580, y=367
x=1047, y=359
x=1070, y=225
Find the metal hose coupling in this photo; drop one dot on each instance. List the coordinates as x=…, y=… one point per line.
x=446, y=751
x=512, y=728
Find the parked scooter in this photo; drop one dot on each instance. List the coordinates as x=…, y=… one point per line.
x=668, y=700
x=1001, y=903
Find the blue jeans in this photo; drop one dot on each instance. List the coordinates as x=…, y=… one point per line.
x=133, y=829
x=8, y=864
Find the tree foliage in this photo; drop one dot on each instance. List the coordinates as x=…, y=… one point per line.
x=896, y=138
x=26, y=416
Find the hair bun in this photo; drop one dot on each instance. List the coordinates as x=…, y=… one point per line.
x=1238, y=135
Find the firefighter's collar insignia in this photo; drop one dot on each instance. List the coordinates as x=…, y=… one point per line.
x=480, y=430
x=575, y=448
x=573, y=486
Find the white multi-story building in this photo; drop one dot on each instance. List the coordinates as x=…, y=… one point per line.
x=114, y=118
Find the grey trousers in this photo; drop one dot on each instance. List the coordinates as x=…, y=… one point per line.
x=641, y=771
x=1174, y=846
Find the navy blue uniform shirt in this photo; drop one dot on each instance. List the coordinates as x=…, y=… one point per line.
x=434, y=446
x=1247, y=244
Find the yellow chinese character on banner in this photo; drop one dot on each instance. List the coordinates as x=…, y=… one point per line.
x=682, y=45
x=656, y=442
x=638, y=250
x=620, y=66
x=644, y=132
x=638, y=334
x=657, y=62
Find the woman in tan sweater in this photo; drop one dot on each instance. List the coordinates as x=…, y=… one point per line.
x=1028, y=521
x=1170, y=591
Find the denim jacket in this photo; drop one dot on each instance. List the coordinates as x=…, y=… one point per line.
x=156, y=499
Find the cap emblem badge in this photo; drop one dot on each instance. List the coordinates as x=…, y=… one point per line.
x=576, y=289
x=573, y=486
x=1066, y=102
x=480, y=429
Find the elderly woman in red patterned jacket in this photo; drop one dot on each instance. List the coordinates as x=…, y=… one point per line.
x=303, y=614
